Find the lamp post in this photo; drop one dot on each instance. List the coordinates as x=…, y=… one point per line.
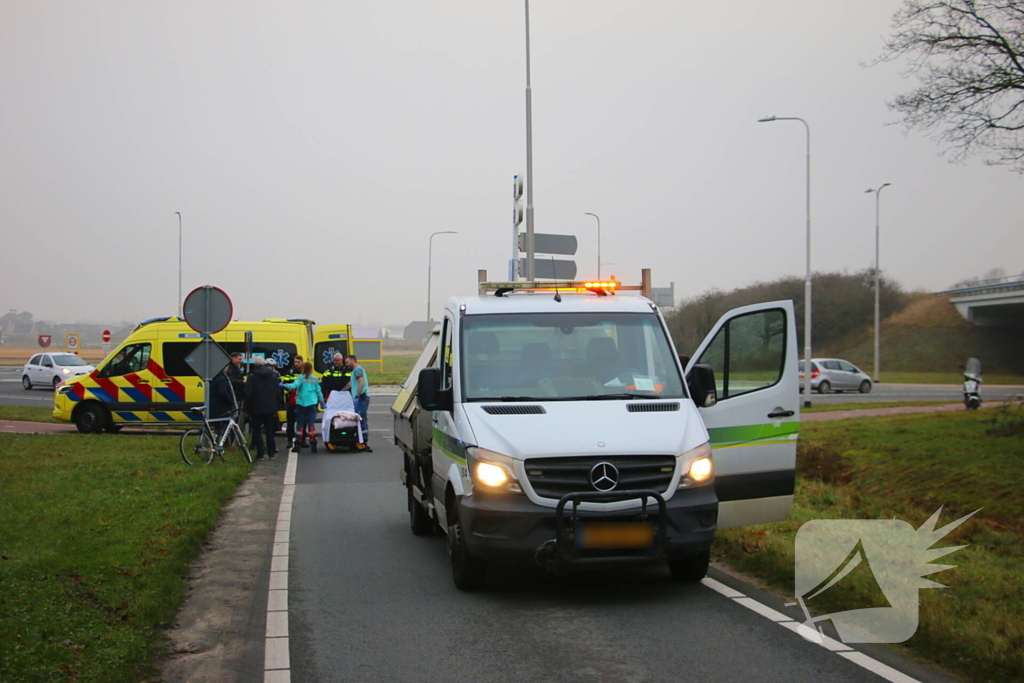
x=430, y=267
x=599, y=264
x=529, y=274
x=179, y=261
x=878, y=281
x=807, y=280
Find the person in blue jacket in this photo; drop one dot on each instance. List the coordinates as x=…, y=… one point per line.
x=308, y=396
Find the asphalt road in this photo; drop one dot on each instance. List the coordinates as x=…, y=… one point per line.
x=368, y=601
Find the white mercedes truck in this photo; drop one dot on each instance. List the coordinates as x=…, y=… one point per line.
x=559, y=426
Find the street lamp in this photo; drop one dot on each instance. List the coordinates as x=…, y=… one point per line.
x=587, y=213
x=430, y=257
x=179, y=260
x=878, y=199
x=807, y=280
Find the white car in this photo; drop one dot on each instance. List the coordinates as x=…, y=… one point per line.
x=50, y=369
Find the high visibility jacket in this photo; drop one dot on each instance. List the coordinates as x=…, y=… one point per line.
x=335, y=379
x=289, y=375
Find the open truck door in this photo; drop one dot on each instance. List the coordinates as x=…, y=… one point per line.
x=754, y=424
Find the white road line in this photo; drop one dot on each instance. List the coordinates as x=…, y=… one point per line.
x=841, y=649
x=276, y=652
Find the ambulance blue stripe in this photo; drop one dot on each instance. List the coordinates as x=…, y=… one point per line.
x=337, y=336
x=163, y=417
x=102, y=395
x=168, y=394
x=129, y=417
x=134, y=394
x=72, y=396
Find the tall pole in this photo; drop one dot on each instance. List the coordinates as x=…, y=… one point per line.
x=529, y=157
x=430, y=266
x=807, y=278
x=178, y=306
x=587, y=213
x=878, y=283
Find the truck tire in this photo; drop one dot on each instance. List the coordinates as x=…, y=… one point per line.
x=419, y=520
x=690, y=569
x=467, y=571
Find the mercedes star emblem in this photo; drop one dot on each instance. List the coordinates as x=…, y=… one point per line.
x=604, y=476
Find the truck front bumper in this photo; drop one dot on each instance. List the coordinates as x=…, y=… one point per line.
x=511, y=528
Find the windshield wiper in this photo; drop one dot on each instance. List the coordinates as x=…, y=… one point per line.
x=620, y=397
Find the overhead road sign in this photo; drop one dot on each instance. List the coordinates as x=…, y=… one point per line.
x=555, y=269
x=544, y=243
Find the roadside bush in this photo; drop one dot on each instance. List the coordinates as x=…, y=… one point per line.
x=1007, y=421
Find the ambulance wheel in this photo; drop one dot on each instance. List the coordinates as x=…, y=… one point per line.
x=824, y=388
x=90, y=419
x=26, y=383
x=690, y=568
x=467, y=571
x=419, y=520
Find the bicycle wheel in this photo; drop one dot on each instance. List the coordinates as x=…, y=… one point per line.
x=236, y=440
x=196, y=447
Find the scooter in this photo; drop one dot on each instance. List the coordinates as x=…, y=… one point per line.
x=972, y=383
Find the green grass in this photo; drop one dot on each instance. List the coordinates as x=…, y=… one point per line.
x=97, y=535
x=396, y=369
x=836, y=407
x=27, y=414
x=943, y=378
x=906, y=467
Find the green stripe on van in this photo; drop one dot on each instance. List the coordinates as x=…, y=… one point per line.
x=750, y=434
x=449, y=446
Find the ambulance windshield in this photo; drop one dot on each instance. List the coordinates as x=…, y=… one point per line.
x=567, y=356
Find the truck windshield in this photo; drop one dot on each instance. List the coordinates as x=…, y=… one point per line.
x=567, y=356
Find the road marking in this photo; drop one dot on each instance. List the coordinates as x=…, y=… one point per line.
x=841, y=649
x=276, y=652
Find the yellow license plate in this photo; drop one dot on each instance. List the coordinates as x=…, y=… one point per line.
x=615, y=535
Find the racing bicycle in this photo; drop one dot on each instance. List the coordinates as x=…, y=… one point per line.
x=207, y=443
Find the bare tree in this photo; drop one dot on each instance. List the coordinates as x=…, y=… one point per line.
x=969, y=58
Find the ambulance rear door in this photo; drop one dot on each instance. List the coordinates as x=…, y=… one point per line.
x=755, y=422
x=329, y=340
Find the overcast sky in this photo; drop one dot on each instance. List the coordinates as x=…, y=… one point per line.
x=312, y=147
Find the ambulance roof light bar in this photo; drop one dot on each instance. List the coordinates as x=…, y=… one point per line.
x=602, y=287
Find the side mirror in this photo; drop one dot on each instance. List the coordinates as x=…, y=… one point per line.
x=429, y=392
x=701, y=383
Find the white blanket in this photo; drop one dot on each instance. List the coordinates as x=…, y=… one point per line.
x=339, y=402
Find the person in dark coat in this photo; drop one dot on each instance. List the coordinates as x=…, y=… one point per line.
x=262, y=394
x=222, y=397
x=337, y=377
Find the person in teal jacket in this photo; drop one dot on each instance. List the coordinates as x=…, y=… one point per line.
x=308, y=397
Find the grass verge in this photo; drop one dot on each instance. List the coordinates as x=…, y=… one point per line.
x=27, y=414
x=97, y=535
x=836, y=407
x=906, y=467
x=943, y=378
x=396, y=369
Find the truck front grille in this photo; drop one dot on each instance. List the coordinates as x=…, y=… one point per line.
x=555, y=477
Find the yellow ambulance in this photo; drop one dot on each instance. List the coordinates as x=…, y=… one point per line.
x=146, y=380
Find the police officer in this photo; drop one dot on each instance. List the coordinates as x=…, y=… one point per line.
x=335, y=378
x=289, y=374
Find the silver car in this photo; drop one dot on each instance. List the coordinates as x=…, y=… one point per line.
x=50, y=369
x=833, y=374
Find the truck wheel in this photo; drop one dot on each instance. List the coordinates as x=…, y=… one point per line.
x=690, y=568
x=90, y=419
x=419, y=520
x=467, y=571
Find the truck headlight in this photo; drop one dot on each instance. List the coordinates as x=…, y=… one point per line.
x=699, y=467
x=492, y=471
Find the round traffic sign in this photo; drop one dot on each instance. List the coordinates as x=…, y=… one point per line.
x=207, y=309
x=106, y=335
x=72, y=342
